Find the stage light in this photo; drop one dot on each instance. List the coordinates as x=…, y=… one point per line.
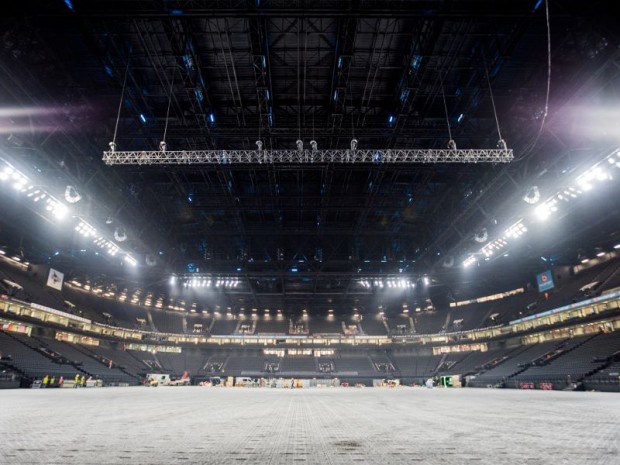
x=515, y=231
x=543, y=212
x=85, y=229
x=469, y=261
x=130, y=260
x=585, y=260
x=600, y=254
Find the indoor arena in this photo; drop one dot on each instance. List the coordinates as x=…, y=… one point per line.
x=323, y=232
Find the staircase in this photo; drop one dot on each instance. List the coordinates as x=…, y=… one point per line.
x=151, y=322
x=60, y=360
x=387, y=328
x=443, y=359
x=561, y=352
x=610, y=278
x=446, y=324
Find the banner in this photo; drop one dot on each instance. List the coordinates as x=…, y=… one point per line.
x=55, y=278
x=545, y=281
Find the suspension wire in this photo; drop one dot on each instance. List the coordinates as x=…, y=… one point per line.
x=298, y=83
x=313, y=113
x=120, y=104
x=260, y=117
x=445, y=107
x=544, y=117
x=352, y=119
x=305, y=81
x=486, y=70
x=169, y=102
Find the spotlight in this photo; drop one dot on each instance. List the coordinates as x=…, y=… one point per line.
x=543, y=212
x=469, y=261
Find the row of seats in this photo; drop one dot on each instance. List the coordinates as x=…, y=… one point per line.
x=555, y=362
x=35, y=358
x=126, y=314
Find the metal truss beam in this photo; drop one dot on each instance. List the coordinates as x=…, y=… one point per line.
x=375, y=156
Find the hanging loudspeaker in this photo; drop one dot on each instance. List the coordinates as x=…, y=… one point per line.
x=120, y=235
x=72, y=195
x=532, y=195
x=482, y=235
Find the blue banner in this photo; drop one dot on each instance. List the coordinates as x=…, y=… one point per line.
x=545, y=281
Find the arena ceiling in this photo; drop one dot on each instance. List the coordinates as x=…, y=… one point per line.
x=224, y=74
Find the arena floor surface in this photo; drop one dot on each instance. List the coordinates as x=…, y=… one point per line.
x=193, y=425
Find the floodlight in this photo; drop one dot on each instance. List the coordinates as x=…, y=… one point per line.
x=469, y=261
x=543, y=211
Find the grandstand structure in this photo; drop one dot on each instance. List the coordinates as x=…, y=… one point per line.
x=528, y=344
x=325, y=191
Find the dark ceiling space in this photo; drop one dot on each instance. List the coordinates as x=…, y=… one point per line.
x=224, y=74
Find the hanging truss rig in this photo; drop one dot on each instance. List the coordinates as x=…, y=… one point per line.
x=377, y=156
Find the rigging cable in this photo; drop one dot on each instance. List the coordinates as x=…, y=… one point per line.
x=120, y=104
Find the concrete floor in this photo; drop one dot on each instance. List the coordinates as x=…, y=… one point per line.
x=193, y=425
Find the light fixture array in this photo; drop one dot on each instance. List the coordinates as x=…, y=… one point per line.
x=600, y=172
x=59, y=210
x=390, y=283
x=24, y=185
x=196, y=282
x=90, y=232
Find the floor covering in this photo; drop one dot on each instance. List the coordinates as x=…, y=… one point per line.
x=194, y=425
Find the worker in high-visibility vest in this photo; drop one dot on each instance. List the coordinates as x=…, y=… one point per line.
x=45, y=380
x=76, y=380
